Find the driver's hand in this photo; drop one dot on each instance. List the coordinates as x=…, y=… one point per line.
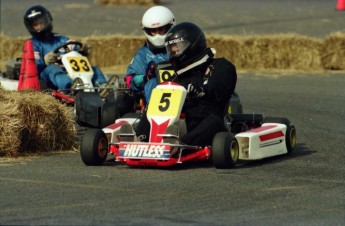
x=151, y=71
x=85, y=49
x=195, y=91
x=50, y=58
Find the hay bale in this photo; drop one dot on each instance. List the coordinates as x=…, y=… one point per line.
x=284, y=52
x=32, y=121
x=228, y=47
x=113, y=50
x=277, y=52
x=333, y=52
x=13, y=50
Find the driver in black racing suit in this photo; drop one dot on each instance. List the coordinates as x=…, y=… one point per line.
x=210, y=82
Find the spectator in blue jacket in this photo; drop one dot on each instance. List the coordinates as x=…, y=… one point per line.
x=140, y=74
x=38, y=22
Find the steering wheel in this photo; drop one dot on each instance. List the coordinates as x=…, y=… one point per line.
x=64, y=46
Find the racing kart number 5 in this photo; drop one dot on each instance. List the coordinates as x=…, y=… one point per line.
x=79, y=64
x=165, y=102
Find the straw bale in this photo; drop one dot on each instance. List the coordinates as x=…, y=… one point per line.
x=226, y=46
x=10, y=48
x=333, y=52
x=270, y=52
x=280, y=52
x=32, y=121
x=113, y=50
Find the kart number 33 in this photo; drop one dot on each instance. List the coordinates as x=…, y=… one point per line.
x=79, y=64
x=165, y=102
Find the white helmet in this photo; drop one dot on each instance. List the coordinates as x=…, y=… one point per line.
x=156, y=17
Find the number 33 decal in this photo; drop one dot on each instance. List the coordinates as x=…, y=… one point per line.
x=81, y=65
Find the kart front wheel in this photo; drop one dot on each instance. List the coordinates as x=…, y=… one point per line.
x=225, y=150
x=290, y=136
x=94, y=147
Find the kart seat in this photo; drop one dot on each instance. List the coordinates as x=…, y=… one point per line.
x=236, y=123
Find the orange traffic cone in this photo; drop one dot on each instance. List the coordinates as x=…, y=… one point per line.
x=28, y=78
x=341, y=5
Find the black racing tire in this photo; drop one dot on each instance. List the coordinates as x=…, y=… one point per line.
x=94, y=147
x=79, y=132
x=225, y=150
x=109, y=114
x=290, y=136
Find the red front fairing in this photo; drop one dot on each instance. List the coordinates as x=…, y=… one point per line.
x=183, y=155
x=157, y=130
x=163, y=111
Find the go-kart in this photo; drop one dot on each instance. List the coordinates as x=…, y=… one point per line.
x=77, y=66
x=249, y=136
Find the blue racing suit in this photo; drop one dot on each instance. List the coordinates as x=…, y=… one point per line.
x=54, y=75
x=138, y=68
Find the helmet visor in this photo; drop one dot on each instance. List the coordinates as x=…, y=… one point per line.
x=158, y=30
x=176, y=47
x=39, y=23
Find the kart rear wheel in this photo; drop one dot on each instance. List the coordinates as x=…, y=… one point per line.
x=94, y=147
x=290, y=136
x=225, y=150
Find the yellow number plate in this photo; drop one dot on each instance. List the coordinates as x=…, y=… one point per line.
x=165, y=102
x=79, y=64
x=166, y=75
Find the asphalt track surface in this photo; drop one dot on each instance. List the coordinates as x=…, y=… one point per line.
x=305, y=188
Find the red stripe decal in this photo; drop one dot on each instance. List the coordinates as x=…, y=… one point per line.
x=271, y=136
x=259, y=129
x=116, y=125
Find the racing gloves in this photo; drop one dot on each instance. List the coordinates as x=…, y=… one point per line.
x=50, y=58
x=195, y=91
x=85, y=49
x=138, y=81
x=151, y=71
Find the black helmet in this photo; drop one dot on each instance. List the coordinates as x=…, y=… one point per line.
x=35, y=14
x=185, y=43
